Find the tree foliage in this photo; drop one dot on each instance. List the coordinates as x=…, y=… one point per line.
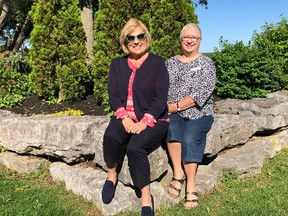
x=272, y=42
x=58, y=50
x=14, y=79
x=167, y=20
x=109, y=20
x=256, y=69
x=16, y=24
x=58, y=55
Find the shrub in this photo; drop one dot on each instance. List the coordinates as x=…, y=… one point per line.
x=14, y=79
x=58, y=50
x=256, y=69
x=272, y=43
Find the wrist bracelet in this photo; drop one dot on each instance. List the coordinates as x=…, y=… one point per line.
x=178, y=108
x=124, y=117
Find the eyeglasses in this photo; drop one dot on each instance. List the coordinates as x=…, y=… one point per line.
x=131, y=38
x=193, y=38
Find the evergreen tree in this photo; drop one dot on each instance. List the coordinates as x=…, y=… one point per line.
x=109, y=20
x=58, y=50
x=167, y=19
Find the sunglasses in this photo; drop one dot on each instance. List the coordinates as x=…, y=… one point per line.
x=131, y=38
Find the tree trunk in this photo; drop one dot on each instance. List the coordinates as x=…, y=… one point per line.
x=3, y=11
x=87, y=21
x=21, y=33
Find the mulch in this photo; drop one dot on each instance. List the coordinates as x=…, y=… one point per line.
x=35, y=104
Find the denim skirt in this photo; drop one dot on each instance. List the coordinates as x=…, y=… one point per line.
x=191, y=133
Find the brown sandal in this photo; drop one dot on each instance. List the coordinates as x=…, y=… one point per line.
x=191, y=200
x=178, y=190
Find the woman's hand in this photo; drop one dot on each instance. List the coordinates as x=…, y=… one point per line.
x=128, y=124
x=182, y=104
x=138, y=127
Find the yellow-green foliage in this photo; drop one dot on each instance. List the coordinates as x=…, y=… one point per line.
x=72, y=112
x=2, y=149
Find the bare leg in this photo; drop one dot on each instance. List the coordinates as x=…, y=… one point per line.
x=191, y=169
x=112, y=174
x=146, y=197
x=110, y=184
x=174, y=149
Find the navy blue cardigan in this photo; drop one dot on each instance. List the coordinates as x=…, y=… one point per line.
x=150, y=87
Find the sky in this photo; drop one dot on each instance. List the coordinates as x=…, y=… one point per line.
x=237, y=20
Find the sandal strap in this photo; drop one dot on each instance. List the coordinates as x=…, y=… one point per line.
x=174, y=188
x=193, y=192
x=193, y=200
x=179, y=180
x=177, y=189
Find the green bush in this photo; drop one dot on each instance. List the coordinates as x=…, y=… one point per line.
x=256, y=69
x=58, y=52
x=240, y=73
x=14, y=79
x=168, y=19
x=109, y=20
x=272, y=43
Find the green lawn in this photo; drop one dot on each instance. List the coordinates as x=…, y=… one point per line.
x=38, y=195
x=265, y=194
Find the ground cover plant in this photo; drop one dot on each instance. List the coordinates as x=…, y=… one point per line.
x=264, y=194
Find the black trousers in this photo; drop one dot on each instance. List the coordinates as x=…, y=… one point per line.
x=138, y=148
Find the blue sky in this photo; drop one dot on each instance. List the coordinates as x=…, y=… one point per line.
x=237, y=20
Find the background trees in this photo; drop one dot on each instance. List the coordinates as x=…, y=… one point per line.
x=168, y=18
x=73, y=42
x=15, y=23
x=109, y=20
x=256, y=69
x=58, y=50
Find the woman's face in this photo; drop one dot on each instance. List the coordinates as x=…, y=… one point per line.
x=137, y=42
x=190, y=40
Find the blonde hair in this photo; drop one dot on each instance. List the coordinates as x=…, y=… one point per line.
x=129, y=27
x=190, y=25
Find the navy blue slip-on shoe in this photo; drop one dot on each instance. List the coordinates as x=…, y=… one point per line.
x=147, y=210
x=108, y=191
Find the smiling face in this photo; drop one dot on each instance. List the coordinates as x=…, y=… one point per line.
x=190, y=40
x=137, y=46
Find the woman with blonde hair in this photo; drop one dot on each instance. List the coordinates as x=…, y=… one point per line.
x=137, y=88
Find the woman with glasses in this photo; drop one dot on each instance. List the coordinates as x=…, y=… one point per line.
x=138, y=88
x=192, y=79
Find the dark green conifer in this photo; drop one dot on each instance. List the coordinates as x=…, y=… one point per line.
x=58, y=50
x=167, y=20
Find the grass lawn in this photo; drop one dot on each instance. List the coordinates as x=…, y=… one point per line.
x=265, y=194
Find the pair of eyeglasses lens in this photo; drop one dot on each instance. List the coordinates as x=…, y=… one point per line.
x=131, y=38
x=193, y=38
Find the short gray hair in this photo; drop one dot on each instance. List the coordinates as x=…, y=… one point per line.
x=190, y=25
